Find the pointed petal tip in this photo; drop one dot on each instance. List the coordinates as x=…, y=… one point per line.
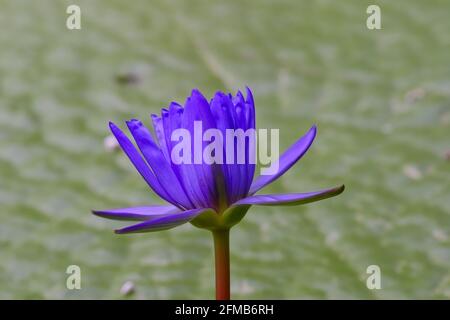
x=124, y=230
x=99, y=213
x=198, y=96
x=164, y=112
x=173, y=104
x=134, y=124
x=311, y=134
x=196, y=92
x=335, y=191
x=340, y=189
x=116, y=131
x=162, y=223
x=221, y=99
x=175, y=107
x=133, y=120
x=249, y=95
x=291, y=198
x=219, y=94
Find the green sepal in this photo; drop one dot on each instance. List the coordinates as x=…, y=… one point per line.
x=212, y=220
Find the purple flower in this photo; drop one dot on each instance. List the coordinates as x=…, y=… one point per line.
x=212, y=196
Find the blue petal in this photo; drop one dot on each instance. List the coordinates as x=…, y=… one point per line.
x=290, y=198
x=163, y=223
x=224, y=114
x=202, y=176
x=155, y=158
x=139, y=163
x=136, y=213
x=159, y=131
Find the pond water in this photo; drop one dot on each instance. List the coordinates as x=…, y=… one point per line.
x=380, y=99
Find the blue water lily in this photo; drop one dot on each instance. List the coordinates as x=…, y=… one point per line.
x=195, y=189
x=211, y=196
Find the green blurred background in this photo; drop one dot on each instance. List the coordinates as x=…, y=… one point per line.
x=381, y=100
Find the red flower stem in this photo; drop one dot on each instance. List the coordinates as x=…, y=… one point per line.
x=222, y=259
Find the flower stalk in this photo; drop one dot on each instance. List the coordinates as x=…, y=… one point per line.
x=222, y=263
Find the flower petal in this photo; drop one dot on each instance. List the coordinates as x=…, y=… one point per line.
x=139, y=163
x=249, y=123
x=223, y=111
x=171, y=121
x=155, y=158
x=196, y=109
x=239, y=107
x=166, y=222
x=290, y=198
x=136, y=213
x=250, y=109
x=287, y=160
x=159, y=131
